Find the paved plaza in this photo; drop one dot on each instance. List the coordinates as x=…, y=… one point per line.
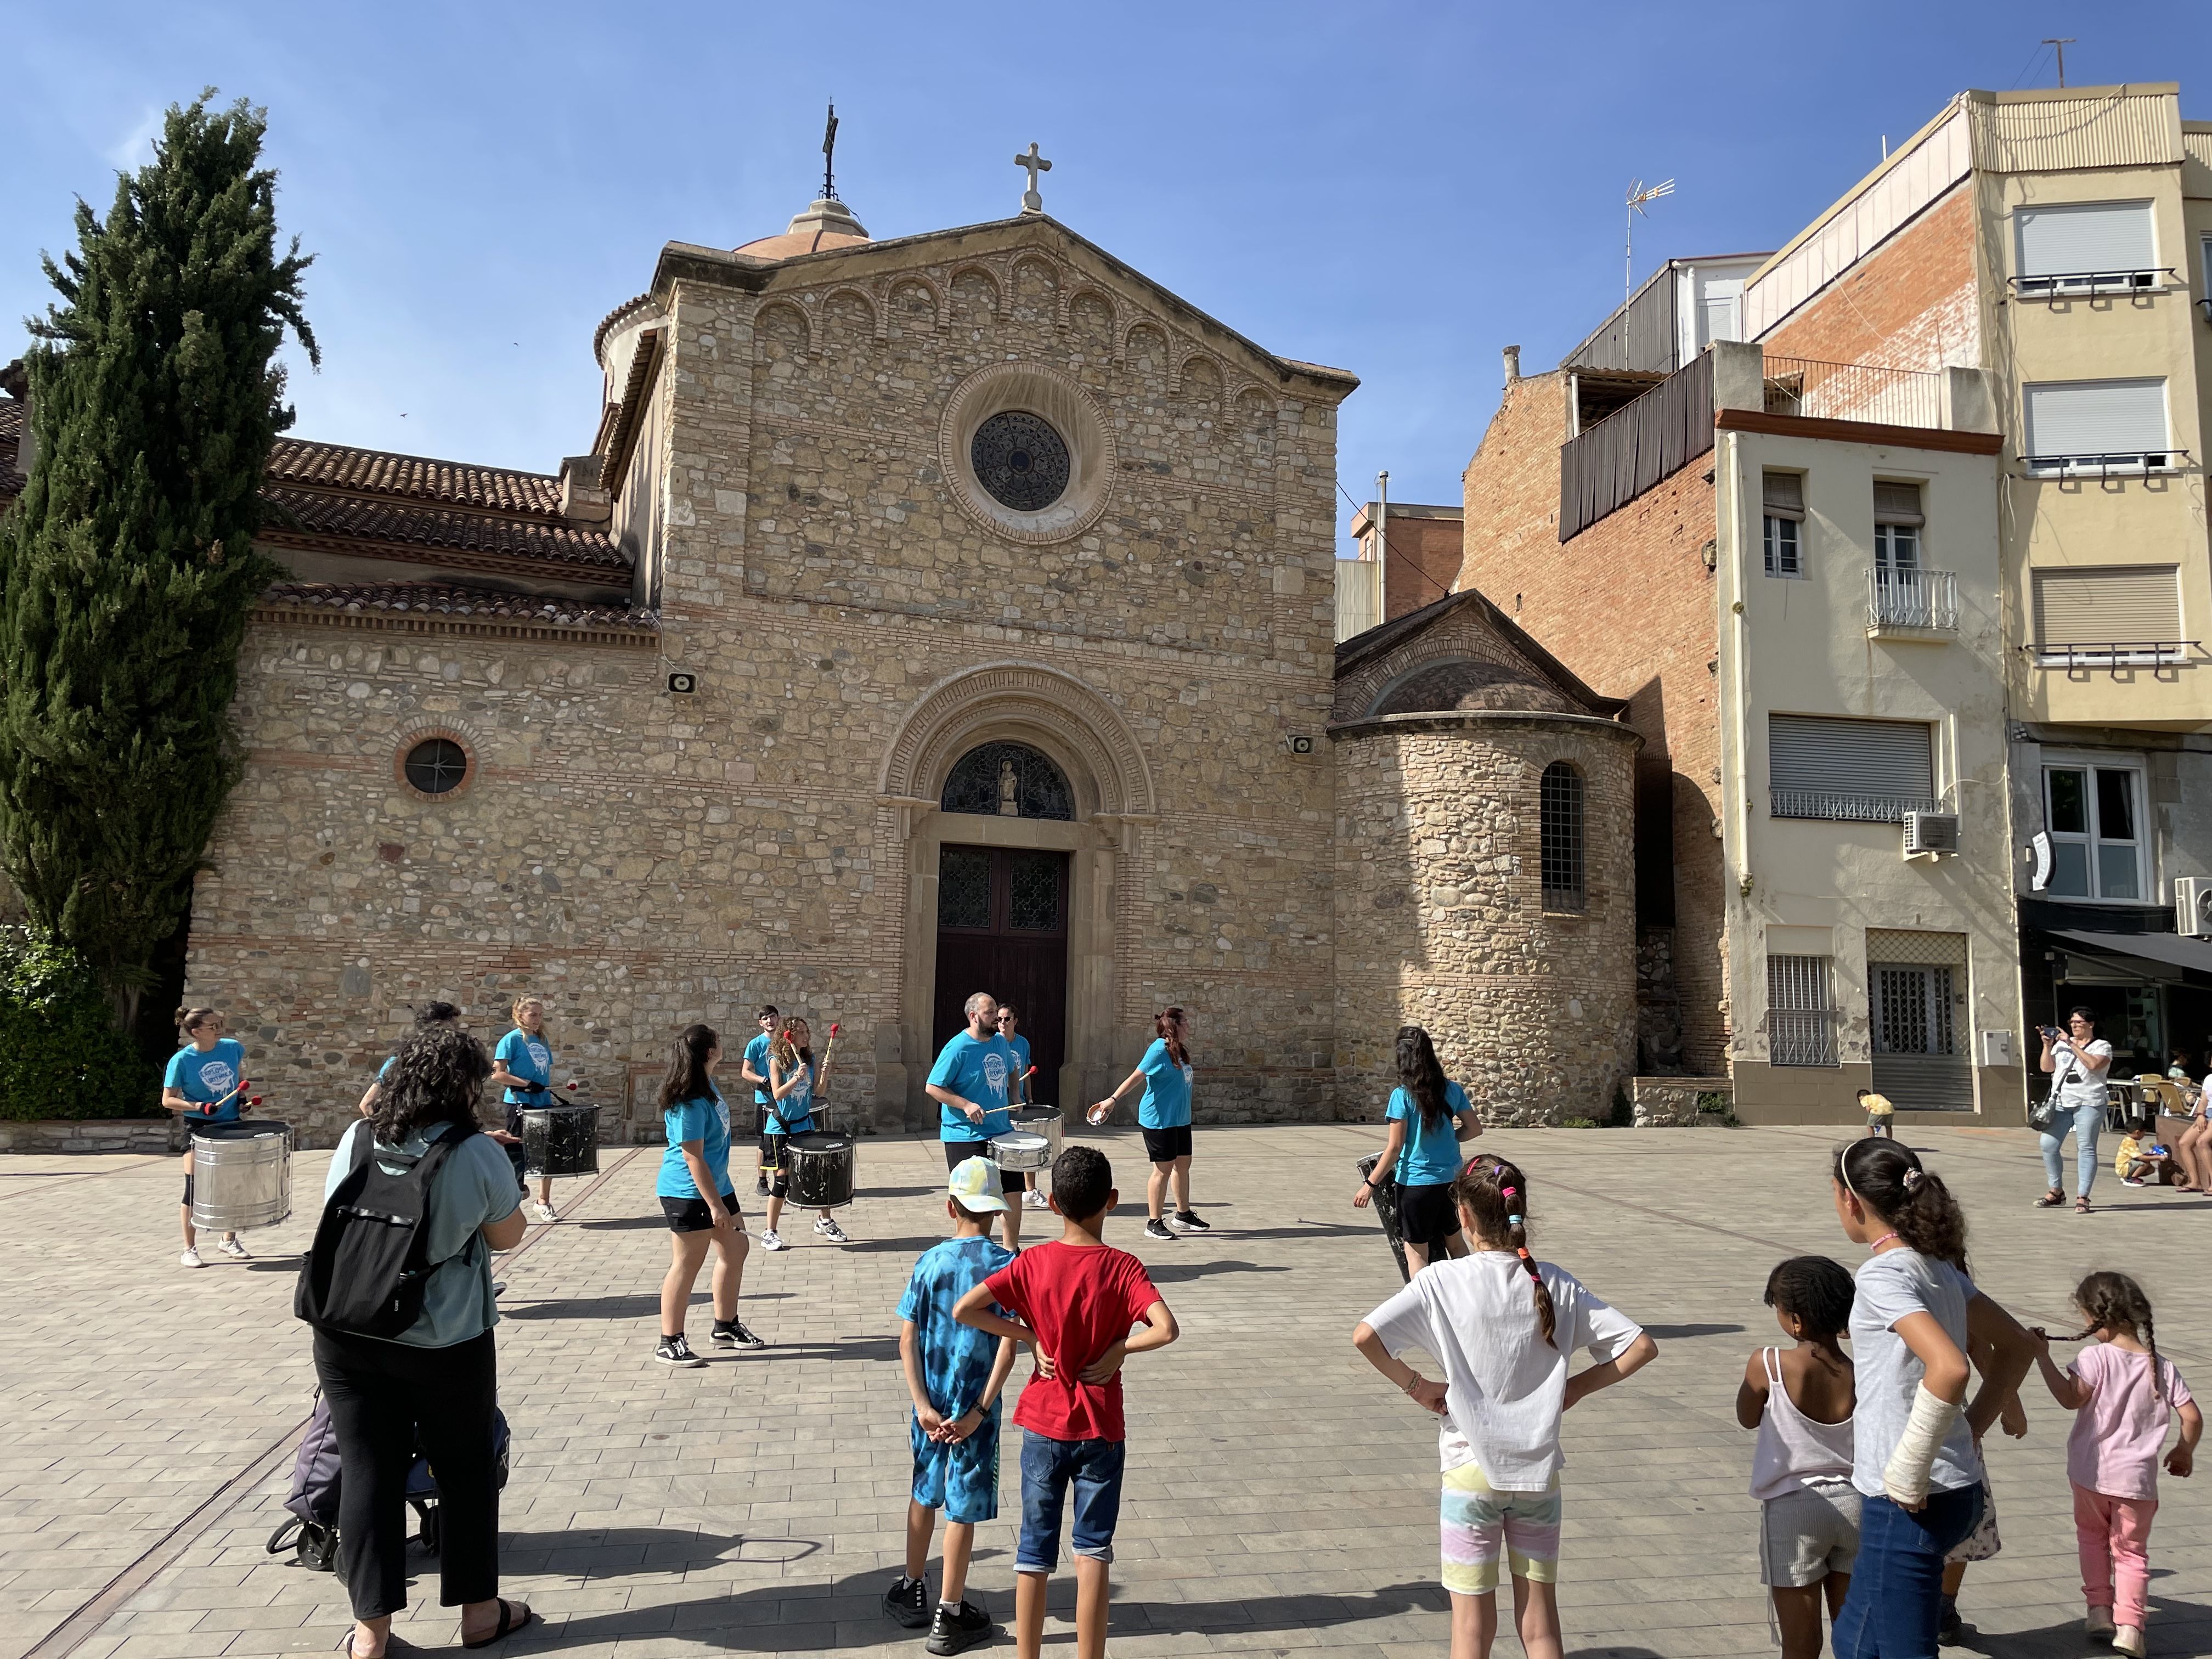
x=1281, y=1497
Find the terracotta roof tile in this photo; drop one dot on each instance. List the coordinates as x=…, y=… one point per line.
x=314, y=511
x=449, y=600
x=413, y=477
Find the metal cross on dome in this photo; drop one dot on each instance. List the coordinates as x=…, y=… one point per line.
x=1031, y=202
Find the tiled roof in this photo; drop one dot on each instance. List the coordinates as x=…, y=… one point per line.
x=447, y=601
x=413, y=477
x=618, y=315
x=314, y=511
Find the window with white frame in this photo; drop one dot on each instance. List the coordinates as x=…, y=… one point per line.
x=1800, y=1012
x=1897, y=524
x=2074, y=248
x=2094, y=815
x=2096, y=425
x=1783, y=497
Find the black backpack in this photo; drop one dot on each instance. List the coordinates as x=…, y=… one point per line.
x=369, y=1267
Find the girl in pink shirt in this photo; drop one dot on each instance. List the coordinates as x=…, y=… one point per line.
x=2121, y=1395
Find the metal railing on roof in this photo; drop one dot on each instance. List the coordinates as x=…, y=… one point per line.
x=1853, y=391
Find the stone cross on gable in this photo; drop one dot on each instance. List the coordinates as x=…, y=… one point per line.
x=1031, y=202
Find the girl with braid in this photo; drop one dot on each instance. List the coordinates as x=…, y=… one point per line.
x=1916, y=1459
x=1502, y=1324
x=2122, y=1394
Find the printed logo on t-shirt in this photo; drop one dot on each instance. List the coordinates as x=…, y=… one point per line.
x=540, y=1055
x=994, y=1074
x=216, y=1076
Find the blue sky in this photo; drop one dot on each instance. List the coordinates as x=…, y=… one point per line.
x=1399, y=189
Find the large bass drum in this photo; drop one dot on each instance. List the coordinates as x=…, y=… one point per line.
x=820, y=1170
x=241, y=1175
x=560, y=1140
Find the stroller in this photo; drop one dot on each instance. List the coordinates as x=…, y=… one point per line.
x=312, y=1532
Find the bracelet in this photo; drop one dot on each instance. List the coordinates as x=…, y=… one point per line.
x=1411, y=1382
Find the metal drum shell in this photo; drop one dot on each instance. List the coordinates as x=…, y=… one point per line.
x=1022, y=1150
x=241, y=1175
x=821, y=1170
x=560, y=1140
x=1043, y=1121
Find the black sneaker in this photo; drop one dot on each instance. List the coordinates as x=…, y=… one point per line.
x=735, y=1333
x=1186, y=1221
x=675, y=1351
x=1157, y=1228
x=907, y=1602
x=1950, y=1629
x=952, y=1629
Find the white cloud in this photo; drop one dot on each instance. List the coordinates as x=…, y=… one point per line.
x=135, y=148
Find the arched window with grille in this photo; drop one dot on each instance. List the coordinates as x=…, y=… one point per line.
x=1560, y=837
x=1007, y=780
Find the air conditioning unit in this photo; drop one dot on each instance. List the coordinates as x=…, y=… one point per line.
x=1930, y=834
x=2192, y=906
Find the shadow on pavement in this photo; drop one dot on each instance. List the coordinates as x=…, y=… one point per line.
x=1173, y=1272
x=1672, y=1333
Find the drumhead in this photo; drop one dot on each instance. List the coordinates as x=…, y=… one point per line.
x=818, y=1140
x=1021, y=1140
x=244, y=1128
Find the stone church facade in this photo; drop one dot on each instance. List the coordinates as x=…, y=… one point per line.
x=927, y=615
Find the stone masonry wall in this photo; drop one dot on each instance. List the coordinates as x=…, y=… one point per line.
x=1440, y=920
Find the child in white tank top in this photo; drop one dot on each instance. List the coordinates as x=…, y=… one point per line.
x=1801, y=1472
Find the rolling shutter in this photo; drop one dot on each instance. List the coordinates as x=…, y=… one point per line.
x=1897, y=503
x=1823, y=768
x=2096, y=417
x=2077, y=239
x=2137, y=606
x=1783, y=494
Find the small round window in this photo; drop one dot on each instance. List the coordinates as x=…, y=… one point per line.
x=436, y=766
x=1020, y=460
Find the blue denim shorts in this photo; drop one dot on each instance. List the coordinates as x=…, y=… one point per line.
x=1049, y=1467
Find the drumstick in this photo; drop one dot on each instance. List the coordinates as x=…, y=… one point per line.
x=205, y=1107
x=828, y=1049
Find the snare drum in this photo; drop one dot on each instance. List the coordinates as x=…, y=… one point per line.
x=1020, y=1150
x=819, y=1170
x=241, y=1175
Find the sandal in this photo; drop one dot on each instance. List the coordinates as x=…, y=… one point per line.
x=2052, y=1200
x=345, y=1645
x=509, y=1623
x=2080, y=1206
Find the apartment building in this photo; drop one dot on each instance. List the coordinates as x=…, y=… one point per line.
x=2057, y=239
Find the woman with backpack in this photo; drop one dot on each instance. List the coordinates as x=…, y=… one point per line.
x=433, y=1376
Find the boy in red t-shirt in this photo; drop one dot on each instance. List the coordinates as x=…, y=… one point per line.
x=1076, y=1299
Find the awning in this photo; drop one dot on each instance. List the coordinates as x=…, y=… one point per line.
x=2172, y=949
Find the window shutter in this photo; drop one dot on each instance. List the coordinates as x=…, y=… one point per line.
x=2138, y=606
x=1863, y=764
x=1897, y=503
x=2077, y=239
x=2097, y=417
x=1784, y=495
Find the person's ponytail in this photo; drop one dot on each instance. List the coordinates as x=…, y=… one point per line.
x=1495, y=1194
x=1890, y=1181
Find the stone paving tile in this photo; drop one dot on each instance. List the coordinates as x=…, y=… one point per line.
x=1280, y=1500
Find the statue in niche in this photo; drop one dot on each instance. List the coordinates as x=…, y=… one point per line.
x=1009, y=788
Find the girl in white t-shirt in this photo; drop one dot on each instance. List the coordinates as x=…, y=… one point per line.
x=1502, y=1325
x=2079, y=1064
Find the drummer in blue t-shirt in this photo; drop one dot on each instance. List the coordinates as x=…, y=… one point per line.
x=1428, y=1115
x=791, y=1074
x=523, y=1066
x=754, y=1070
x=1019, y=1093
x=1164, y=1116
x=968, y=1083
x=203, y=1084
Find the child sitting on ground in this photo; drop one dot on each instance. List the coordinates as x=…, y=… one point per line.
x=954, y=1375
x=2121, y=1395
x=1502, y=1324
x=2142, y=1160
x=1800, y=1402
x=1076, y=1299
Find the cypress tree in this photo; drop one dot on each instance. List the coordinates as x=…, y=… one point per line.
x=127, y=566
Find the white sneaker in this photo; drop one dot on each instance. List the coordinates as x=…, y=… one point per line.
x=2099, y=1622
x=2128, y=1639
x=828, y=1227
x=190, y=1258
x=1036, y=1200
x=772, y=1240
x=235, y=1248
x=547, y=1213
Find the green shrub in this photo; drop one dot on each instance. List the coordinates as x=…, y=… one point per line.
x=60, y=1053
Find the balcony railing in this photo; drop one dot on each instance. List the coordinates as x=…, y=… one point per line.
x=2115, y=654
x=2066, y=285
x=2124, y=463
x=1912, y=601
x=1801, y=1036
x=1853, y=391
x=1844, y=808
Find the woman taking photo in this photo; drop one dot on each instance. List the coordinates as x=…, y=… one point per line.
x=697, y=1197
x=436, y=1377
x=2078, y=1063
x=791, y=1112
x=523, y=1066
x=1164, y=1116
x=203, y=1084
x=1427, y=1116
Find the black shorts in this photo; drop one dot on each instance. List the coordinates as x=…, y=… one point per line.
x=771, y=1152
x=957, y=1152
x=691, y=1215
x=1166, y=1146
x=1427, y=1215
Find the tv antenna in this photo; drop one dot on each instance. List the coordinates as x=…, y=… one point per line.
x=1639, y=194
x=2061, y=46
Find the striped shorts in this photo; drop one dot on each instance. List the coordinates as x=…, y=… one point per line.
x=1479, y=1524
